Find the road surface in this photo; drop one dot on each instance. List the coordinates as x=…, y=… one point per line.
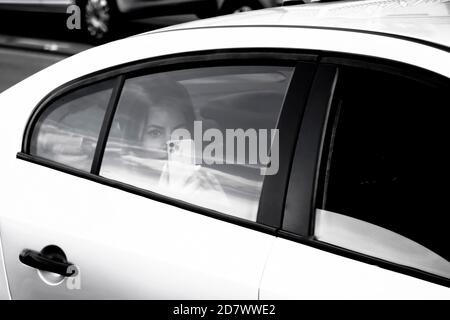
x=18, y=64
x=29, y=43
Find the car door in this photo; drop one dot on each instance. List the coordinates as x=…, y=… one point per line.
x=94, y=222
x=364, y=212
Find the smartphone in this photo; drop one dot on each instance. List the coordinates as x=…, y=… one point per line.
x=181, y=151
x=181, y=162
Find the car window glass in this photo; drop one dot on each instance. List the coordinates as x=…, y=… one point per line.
x=68, y=129
x=387, y=174
x=208, y=168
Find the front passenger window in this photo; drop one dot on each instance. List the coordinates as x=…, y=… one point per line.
x=387, y=174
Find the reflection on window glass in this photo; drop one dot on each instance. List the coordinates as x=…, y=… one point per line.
x=68, y=130
x=386, y=181
x=143, y=149
x=370, y=239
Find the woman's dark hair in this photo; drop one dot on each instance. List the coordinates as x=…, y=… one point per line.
x=141, y=94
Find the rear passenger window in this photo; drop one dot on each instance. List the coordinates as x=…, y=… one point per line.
x=387, y=171
x=68, y=130
x=202, y=136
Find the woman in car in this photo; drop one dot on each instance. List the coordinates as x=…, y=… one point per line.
x=148, y=117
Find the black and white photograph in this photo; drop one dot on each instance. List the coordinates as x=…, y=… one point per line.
x=224, y=156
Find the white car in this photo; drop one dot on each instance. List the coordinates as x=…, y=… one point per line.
x=98, y=200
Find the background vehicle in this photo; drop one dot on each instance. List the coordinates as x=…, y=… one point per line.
x=356, y=210
x=101, y=17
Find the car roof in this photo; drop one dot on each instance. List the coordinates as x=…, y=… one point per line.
x=422, y=20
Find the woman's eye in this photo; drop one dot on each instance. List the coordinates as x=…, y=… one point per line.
x=154, y=133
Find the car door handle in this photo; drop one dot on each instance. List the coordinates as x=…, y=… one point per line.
x=48, y=260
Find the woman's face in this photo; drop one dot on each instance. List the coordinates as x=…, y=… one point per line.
x=160, y=124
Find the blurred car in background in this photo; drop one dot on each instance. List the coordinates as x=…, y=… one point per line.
x=99, y=18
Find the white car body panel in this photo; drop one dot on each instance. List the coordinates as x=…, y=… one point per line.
x=426, y=20
x=126, y=246
x=4, y=287
x=132, y=247
x=296, y=271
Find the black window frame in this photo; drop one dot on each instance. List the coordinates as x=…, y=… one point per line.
x=308, y=162
x=106, y=84
x=270, y=205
